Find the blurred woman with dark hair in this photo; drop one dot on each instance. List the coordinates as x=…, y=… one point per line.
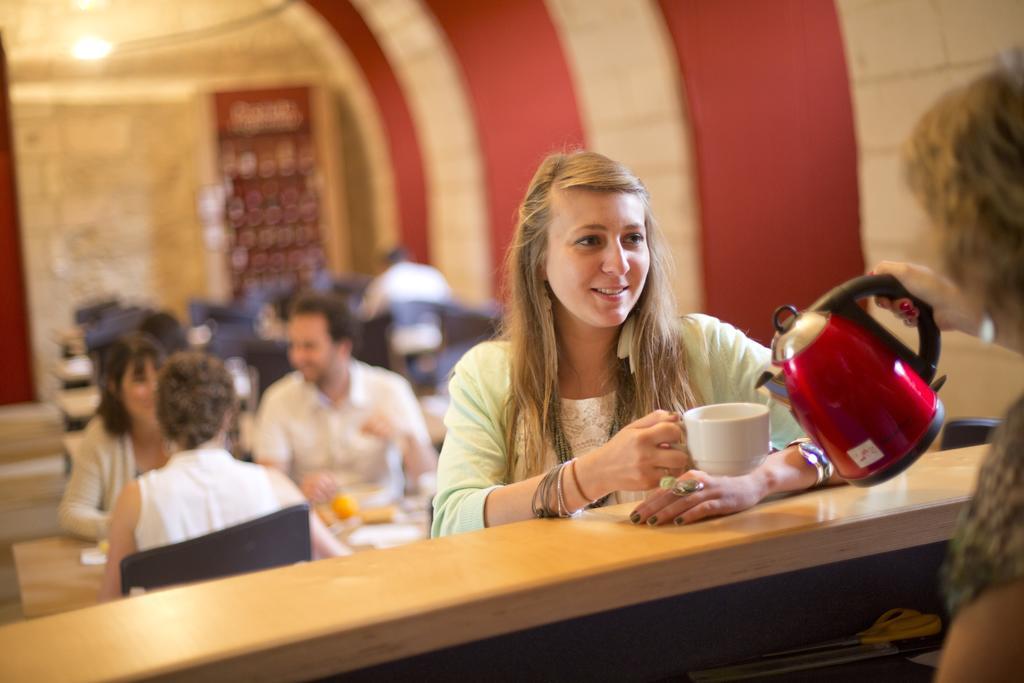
x=202, y=488
x=122, y=441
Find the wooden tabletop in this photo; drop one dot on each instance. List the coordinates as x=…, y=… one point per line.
x=74, y=369
x=28, y=431
x=320, y=618
x=51, y=577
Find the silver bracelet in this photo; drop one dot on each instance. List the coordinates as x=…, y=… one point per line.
x=816, y=458
x=562, y=510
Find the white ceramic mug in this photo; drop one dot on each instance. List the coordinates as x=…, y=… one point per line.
x=728, y=438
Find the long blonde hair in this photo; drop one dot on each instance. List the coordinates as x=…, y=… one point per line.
x=660, y=379
x=965, y=163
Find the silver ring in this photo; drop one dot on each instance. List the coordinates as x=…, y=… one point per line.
x=684, y=487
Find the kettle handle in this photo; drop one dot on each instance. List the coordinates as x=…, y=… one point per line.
x=843, y=301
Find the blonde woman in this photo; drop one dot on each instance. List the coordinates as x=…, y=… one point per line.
x=578, y=403
x=965, y=164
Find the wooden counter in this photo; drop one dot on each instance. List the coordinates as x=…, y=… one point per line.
x=316, y=619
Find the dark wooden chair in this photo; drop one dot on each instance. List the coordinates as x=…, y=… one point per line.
x=269, y=357
x=274, y=540
x=462, y=329
x=240, y=314
x=373, y=346
x=967, y=431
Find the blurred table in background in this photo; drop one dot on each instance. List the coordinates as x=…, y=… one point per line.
x=74, y=371
x=77, y=405
x=29, y=431
x=52, y=578
x=71, y=340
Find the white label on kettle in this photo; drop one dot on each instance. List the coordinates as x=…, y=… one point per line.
x=865, y=454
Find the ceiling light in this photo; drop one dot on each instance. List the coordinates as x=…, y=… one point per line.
x=91, y=47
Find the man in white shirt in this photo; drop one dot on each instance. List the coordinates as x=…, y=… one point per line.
x=337, y=423
x=404, y=281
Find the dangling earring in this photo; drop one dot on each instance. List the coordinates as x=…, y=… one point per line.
x=987, y=329
x=625, y=347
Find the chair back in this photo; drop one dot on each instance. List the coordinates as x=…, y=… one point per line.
x=91, y=313
x=270, y=359
x=373, y=344
x=967, y=431
x=277, y=539
x=230, y=341
x=240, y=314
x=462, y=329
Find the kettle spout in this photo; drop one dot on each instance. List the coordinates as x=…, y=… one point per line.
x=775, y=384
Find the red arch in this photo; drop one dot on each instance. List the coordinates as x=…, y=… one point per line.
x=404, y=150
x=14, y=342
x=766, y=88
x=521, y=93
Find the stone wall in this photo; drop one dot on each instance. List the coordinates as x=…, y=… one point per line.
x=632, y=111
x=110, y=155
x=106, y=199
x=902, y=55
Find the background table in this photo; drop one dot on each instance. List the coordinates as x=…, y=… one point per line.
x=51, y=577
x=78, y=405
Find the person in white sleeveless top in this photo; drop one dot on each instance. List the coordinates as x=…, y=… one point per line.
x=202, y=488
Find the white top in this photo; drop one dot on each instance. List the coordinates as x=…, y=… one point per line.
x=199, y=492
x=405, y=281
x=299, y=429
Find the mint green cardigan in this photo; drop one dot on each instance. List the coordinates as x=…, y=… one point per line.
x=724, y=366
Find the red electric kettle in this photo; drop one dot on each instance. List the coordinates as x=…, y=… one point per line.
x=857, y=391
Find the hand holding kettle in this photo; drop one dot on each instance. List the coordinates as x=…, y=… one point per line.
x=951, y=308
x=858, y=392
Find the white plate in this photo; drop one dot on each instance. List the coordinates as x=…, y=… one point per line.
x=93, y=556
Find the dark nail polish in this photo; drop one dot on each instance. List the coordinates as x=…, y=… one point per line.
x=651, y=521
x=635, y=518
x=679, y=521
